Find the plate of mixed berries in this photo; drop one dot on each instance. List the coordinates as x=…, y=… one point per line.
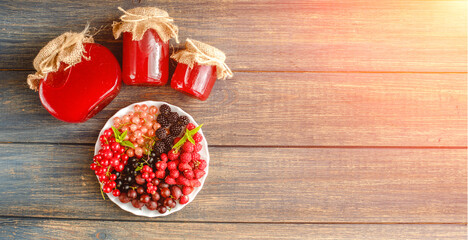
x=151, y=159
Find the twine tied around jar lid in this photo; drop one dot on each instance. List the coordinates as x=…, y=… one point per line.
x=67, y=48
x=138, y=20
x=203, y=54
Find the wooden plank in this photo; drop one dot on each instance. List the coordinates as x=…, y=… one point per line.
x=296, y=185
x=66, y=229
x=317, y=35
x=292, y=109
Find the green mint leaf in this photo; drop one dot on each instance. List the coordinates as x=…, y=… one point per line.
x=123, y=135
x=127, y=144
x=116, y=132
x=195, y=130
x=180, y=143
x=190, y=139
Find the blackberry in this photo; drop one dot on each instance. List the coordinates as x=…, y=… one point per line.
x=161, y=133
x=162, y=120
x=175, y=130
x=159, y=147
x=169, y=142
x=164, y=109
x=183, y=120
x=172, y=117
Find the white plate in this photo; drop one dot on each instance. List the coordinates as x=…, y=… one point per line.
x=203, y=153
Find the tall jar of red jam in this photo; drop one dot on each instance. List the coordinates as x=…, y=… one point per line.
x=146, y=33
x=198, y=67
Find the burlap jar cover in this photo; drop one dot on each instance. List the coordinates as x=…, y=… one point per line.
x=203, y=54
x=67, y=48
x=138, y=20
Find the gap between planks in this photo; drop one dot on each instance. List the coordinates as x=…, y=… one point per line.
x=238, y=222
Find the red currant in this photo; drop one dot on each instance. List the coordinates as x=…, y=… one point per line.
x=120, y=167
x=114, y=162
x=107, y=133
x=116, y=192
x=102, y=139
x=124, y=156
x=105, y=147
x=147, y=169
x=112, y=177
x=115, y=147
x=111, y=184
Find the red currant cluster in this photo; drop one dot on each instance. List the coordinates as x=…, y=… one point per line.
x=110, y=157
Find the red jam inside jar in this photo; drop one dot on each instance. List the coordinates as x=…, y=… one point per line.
x=145, y=62
x=197, y=81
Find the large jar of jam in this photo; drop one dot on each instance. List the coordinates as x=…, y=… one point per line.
x=146, y=33
x=198, y=67
x=76, y=78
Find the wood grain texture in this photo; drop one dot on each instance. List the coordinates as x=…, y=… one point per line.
x=69, y=229
x=292, y=109
x=295, y=185
x=318, y=35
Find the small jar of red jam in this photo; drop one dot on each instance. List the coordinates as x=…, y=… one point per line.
x=198, y=67
x=146, y=33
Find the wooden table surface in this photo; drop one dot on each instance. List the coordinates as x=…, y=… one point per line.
x=344, y=120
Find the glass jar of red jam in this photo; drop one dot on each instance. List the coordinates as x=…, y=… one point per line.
x=198, y=67
x=197, y=81
x=146, y=34
x=145, y=62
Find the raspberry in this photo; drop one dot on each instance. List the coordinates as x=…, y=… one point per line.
x=198, y=173
x=164, y=157
x=161, y=133
x=186, y=190
x=161, y=166
x=195, y=156
x=174, y=173
x=185, y=157
x=184, y=166
x=188, y=147
x=183, y=181
x=160, y=174
x=190, y=126
x=176, y=140
x=170, y=180
x=192, y=164
x=171, y=165
x=194, y=183
x=198, y=147
x=165, y=109
x=173, y=155
x=183, y=199
x=189, y=174
x=197, y=137
x=202, y=164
